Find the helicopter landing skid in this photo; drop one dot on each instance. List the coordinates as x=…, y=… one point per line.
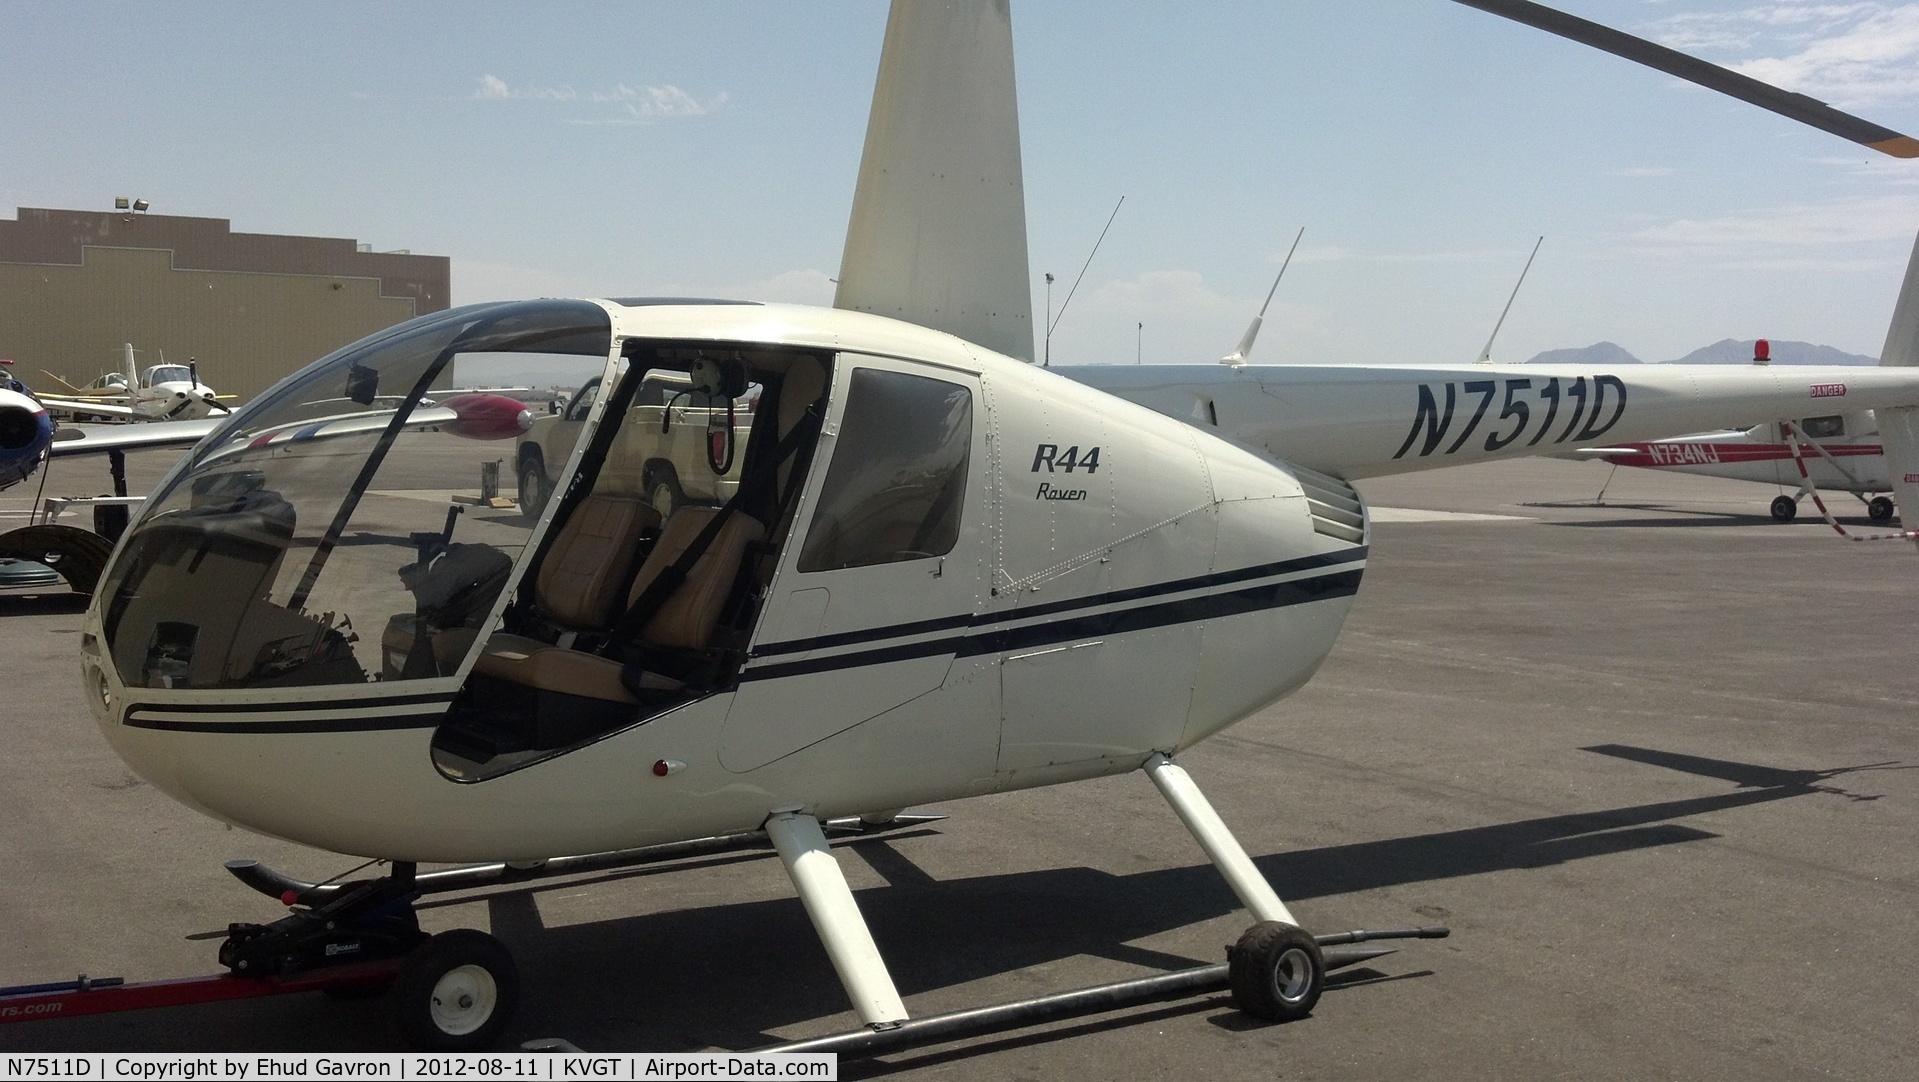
x=276, y=884
x=1275, y=972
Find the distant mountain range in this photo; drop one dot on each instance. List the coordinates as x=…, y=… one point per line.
x=1728, y=351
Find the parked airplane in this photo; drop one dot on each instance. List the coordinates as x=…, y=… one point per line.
x=1837, y=452
x=164, y=392
x=946, y=572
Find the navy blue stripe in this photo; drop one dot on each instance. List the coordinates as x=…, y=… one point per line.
x=304, y=725
x=438, y=698
x=948, y=623
x=1144, y=617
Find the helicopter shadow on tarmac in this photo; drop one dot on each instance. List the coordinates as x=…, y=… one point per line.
x=669, y=974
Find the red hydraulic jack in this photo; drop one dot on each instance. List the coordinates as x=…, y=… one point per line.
x=105, y=995
x=452, y=992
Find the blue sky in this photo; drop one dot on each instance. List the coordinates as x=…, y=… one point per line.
x=618, y=149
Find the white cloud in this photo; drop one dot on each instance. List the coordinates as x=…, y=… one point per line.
x=806, y=286
x=1334, y=254
x=803, y=286
x=1851, y=55
x=630, y=104
x=648, y=102
x=475, y=281
x=1845, y=235
x=1155, y=293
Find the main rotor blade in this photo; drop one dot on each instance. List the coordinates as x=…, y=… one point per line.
x=1799, y=107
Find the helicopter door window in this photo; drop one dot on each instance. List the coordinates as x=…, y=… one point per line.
x=1823, y=428
x=898, y=477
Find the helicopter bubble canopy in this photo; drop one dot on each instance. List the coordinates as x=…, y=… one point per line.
x=279, y=552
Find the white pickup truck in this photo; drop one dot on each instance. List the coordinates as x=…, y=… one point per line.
x=661, y=450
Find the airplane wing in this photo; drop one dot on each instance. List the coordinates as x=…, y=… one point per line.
x=471, y=417
x=84, y=392
x=96, y=407
x=99, y=439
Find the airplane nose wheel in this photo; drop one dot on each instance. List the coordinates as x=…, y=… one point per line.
x=1276, y=971
x=1879, y=509
x=1785, y=508
x=457, y=993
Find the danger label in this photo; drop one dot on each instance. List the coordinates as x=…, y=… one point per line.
x=1829, y=390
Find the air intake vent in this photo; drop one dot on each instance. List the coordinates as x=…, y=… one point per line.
x=1335, y=507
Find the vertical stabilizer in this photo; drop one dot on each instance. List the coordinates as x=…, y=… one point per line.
x=938, y=231
x=1899, y=428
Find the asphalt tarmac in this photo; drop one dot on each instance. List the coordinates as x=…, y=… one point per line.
x=1653, y=759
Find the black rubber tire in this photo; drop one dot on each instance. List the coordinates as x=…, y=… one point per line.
x=534, y=487
x=1277, y=972
x=355, y=993
x=456, y=993
x=1784, y=508
x=80, y=556
x=663, y=491
x=1879, y=509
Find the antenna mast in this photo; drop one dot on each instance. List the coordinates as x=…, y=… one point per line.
x=1082, y=273
x=1486, y=355
x=1238, y=355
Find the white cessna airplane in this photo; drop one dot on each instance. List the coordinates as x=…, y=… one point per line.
x=1833, y=451
x=164, y=392
x=947, y=572
x=1838, y=452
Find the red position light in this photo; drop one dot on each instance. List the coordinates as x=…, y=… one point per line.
x=289, y=897
x=661, y=768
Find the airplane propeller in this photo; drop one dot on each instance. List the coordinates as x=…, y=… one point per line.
x=1806, y=110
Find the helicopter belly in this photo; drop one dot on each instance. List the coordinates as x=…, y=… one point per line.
x=376, y=792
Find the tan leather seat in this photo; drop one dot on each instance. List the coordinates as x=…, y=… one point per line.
x=578, y=585
x=577, y=588
x=686, y=620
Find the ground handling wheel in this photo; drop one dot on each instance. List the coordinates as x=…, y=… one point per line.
x=534, y=488
x=1785, y=508
x=456, y=993
x=1276, y=971
x=1879, y=509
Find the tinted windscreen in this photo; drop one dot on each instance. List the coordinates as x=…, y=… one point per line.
x=897, y=482
x=332, y=529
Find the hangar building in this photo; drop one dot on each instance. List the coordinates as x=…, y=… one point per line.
x=251, y=308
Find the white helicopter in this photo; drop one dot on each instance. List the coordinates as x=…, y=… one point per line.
x=946, y=572
x=164, y=392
